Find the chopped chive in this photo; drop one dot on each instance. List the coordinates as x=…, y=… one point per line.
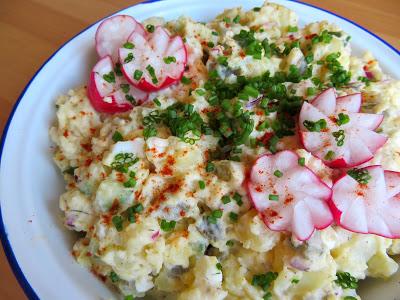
x=301, y=161
x=222, y=60
x=130, y=99
x=130, y=183
x=110, y=77
x=202, y=184
x=329, y=155
x=218, y=266
x=125, y=87
x=150, y=28
x=137, y=74
x=226, y=20
x=315, y=126
x=128, y=45
x=339, y=137
x=236, y=19
x=292, y=28
x=233, y=216
x=169, y=59
x=278, y=173
x=225, y=199
x=238, y=199
x=117, y=136
x=186, y=80
x=214, y=33
x=257, y=8
x=167, y=226
x=118, y=222
x=113, y=276
x=362, y=176
x=129, y=297
x=210, y=44
x=210, y=167
x=342, y=119
x=157, y=102
x=128, y=58
x=230, y=243
x=200, y=92
x=309, y=58
x=263, y=125
x=310, y=91
x=152, y=74
x=295, y=280
x=273, y=197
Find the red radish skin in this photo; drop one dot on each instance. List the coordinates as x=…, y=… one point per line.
x=360, y=140
x=372, y=208
x=108, y=97
x=113, y=32
x=303, y=197
x=150, y=50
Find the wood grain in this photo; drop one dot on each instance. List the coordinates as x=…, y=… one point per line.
x=31, y=30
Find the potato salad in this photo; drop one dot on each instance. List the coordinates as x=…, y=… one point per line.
x=243, y=158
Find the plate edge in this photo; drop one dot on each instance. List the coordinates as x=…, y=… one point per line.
x=12, y=260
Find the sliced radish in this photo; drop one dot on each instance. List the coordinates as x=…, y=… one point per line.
x=350, y=103
x=288, y=196
x=368, y=201
x=339, y=143
x=154, y=61
x=110, y=93
x=113, y=32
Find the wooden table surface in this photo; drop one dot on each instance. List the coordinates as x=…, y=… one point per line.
x=31, y=30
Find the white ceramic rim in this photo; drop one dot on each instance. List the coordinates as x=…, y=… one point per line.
x=24, y=283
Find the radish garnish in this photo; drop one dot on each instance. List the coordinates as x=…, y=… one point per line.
x=367, y=200
x=154, y=61
x=334, y=130
x=113, y=32
x=108, y=90
x=288, y=195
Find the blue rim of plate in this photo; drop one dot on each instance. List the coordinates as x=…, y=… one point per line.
x=12, y=260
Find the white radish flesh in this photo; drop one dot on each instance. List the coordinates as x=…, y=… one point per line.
x=154, y=61
x=295, y=200
x=339, y=144
x=113, y=32
x=110, y=92
x=371, y=206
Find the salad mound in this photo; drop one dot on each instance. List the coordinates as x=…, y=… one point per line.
x=243, y=158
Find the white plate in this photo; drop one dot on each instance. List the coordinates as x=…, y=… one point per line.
x=36, y=244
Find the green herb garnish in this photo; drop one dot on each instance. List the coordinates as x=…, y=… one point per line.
x=346, y=281
x=315, y=126
x=128, y=58
x=117, y=136
x=233, y=216
x=167, y=226
x=339, y=137
x=150, y=28
x=361, y=175
x=273, y=197
x=342, y=119
x=152, y=74
x=114, y=277
x=137, y=74
x=110, y=77
x=117, y=222
x=169, y=59
x=128, y=45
